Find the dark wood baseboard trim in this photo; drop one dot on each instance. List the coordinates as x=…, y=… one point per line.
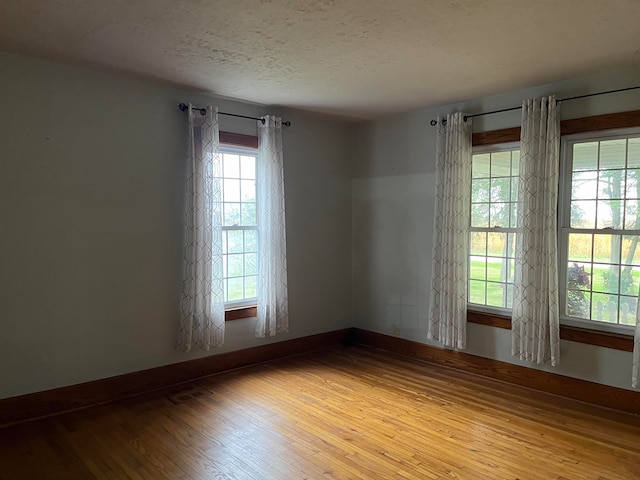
x=582, y=390
x=65, y=399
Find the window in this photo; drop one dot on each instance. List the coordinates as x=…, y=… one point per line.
x=599, y=228
x=600, y=234
x=240, y=227
x=494, y=195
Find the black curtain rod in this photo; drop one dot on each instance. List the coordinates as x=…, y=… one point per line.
x=203, y=111
x=435, y=122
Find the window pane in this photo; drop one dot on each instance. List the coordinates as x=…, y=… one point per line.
x=631, y=215
x=499, y=215
x=515, y=163
x=578, y=303
x=496, y=269
x=249, y=214
x=478, y=244
x=579, y=276
x=248, y=167
x=231, y=214
x=480, y=165
x=633, y=153
x=501, y=164
x=478, y=268
x=606, y=248
x=497, y=244
x=231, y=190
x=611, y=184
x=500, y=189
x=613, y=153
x=610, y=214
x=234, y=241
x=480, y=215
x=512, y=244
x=630, y=280
x=477, y=291
x=604, y=308
x=496, y=294
x=231, y=166
x=585, y=156
x=248, y=190
x=480, y=190
x=235, y=265
x=514, y=189
x=234, y=289
x=631, y=249
x=633, y=184
x=250, y=241
x=628, y=306
x=580, y=246
x=584, y=185
x=514, y=215
x=583, y=214
x=251, y=264
x=606, y=278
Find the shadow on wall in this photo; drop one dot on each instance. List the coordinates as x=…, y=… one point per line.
x=390, y=255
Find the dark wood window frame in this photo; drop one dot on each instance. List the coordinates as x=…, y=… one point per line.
x=567, y=127
x=230, y=139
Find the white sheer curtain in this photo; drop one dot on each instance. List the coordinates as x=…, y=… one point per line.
x=535, y=324
x=202, y=305
x=273, y=302
x=448, y=304
x=635, y=382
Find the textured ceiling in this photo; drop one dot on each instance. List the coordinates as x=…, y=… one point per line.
x=357, y=58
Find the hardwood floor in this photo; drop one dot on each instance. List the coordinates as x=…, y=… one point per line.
x=339, y=413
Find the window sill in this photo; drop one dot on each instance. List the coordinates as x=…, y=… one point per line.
x=616, y=341
x=241, y=312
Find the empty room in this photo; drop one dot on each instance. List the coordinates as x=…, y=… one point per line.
x=288, y=239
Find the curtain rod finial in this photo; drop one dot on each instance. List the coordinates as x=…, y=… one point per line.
x=434, y=123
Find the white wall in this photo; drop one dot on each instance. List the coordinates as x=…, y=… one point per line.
x=393, y=201
x=91, y=198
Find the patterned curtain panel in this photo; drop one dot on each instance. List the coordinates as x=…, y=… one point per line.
x=202, y=305
x=535, y=321
x=635, y=382
x=448, y=304
x=273, y=302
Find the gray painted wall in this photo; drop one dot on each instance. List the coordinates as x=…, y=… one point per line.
x=393, y=202
x=91, y=198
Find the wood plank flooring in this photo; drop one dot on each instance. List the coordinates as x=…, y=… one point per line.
x=339, y=413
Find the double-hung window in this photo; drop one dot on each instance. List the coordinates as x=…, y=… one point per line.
x=599, y=229
x=494, y=195
x=240, y=227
